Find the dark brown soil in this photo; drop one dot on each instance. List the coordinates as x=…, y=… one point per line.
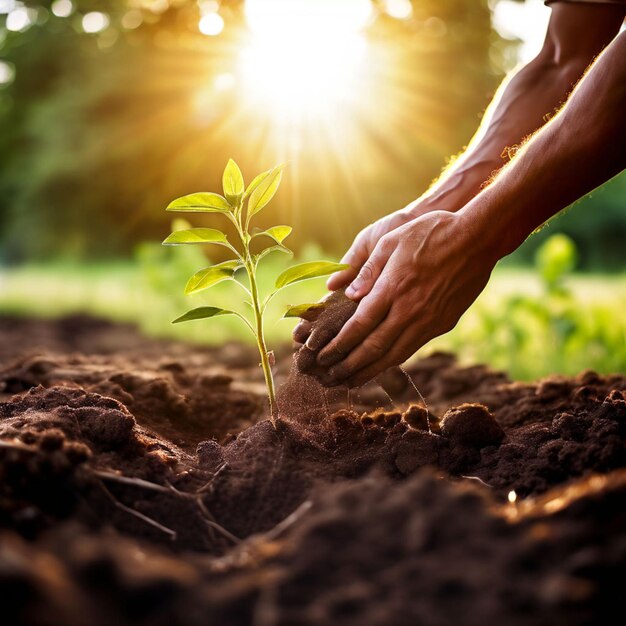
x=140, y=484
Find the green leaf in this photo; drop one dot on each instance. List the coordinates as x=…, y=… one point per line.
x=211, y=276
x=204, y=202
x=277, y=233
x=304, y=271
x=258, y=257
x=202, y=312
x=265, y=191
x=196, y=235
x=258, y=179
x=301, y=309
x=232, y=181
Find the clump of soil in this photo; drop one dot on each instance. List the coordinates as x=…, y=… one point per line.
x=325, y=324
x=141, y=484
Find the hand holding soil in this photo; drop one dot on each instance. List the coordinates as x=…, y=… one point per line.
x=417, y=283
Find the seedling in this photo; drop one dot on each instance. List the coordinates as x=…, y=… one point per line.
x=240, y=204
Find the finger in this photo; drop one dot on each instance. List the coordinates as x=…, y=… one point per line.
x=320, y=336
x=302, y=331
x=355, y=256
x=371, y=350
x=405, y=346
x=341, y=279
x=371, y=311
x=333, y=316
x=371, y=270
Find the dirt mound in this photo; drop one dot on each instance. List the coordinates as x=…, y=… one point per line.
x=181, y=396
x=142, y=486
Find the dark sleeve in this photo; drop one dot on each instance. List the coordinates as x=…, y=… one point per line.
x=623, y=2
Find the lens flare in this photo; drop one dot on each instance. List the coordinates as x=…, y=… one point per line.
x=211, y=24
x=305, y=58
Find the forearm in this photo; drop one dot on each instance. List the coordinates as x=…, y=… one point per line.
x=579, y=149
x=577, y=34
x=519, y=109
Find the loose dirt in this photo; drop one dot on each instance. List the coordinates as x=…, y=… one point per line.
x=141, y=484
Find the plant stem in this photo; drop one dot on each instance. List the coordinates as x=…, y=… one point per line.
x=260, y=338
x=258, y=309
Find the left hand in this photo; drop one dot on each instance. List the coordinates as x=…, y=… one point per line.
x=416, y=284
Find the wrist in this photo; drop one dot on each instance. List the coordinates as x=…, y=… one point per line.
x=486, y=233
x=420, y=206
x=458, y=188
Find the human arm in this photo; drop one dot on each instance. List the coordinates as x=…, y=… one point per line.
x=426, y=273
x=576, y=34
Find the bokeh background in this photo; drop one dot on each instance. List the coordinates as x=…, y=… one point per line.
x=110, y=109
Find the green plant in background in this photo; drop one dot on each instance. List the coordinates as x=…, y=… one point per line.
x=555, y=259
x=239, y=205
x=162, y=266
x=550, y=328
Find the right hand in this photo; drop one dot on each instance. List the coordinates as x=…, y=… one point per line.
x=363, y=246
x=359, y=252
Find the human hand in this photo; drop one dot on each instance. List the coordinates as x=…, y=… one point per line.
x=363, y=246
x=415, y=285
x=358, y=253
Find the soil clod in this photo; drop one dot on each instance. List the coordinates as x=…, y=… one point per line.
x=471, y=425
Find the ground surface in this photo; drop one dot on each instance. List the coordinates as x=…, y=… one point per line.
x=140, y=484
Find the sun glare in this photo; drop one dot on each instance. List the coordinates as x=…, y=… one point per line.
x=305, y=57
x=211, y=24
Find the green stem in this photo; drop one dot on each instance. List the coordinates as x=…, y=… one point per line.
x=260, y=338
x=257, y=308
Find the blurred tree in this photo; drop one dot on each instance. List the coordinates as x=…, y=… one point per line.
x=596, y=223
x=100, y=129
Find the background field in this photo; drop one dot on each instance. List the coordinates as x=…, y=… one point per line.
x=523, y=323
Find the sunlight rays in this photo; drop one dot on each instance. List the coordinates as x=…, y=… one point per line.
x=340, y=98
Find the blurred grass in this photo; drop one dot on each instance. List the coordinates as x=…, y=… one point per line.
x=520, y=323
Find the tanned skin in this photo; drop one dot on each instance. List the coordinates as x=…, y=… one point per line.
x=416, y=271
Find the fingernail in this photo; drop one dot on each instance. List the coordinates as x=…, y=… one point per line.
x=350, y=291
x=311, y=344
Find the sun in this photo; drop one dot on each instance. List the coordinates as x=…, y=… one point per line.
x=305, y=59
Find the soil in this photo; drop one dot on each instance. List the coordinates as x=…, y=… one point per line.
x=140, y=483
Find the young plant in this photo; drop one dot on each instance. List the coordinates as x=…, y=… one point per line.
x=240, y=204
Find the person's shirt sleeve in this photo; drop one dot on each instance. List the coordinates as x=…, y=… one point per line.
x=622, y=2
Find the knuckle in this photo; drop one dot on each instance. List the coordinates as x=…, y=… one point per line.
x=360, y=323
x=367, y=272
x=339, y=343
x=354, y=253
x=360, y=241
x=375, y=346
x=386, y=244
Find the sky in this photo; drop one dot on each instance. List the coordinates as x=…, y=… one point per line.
x=526, y=20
